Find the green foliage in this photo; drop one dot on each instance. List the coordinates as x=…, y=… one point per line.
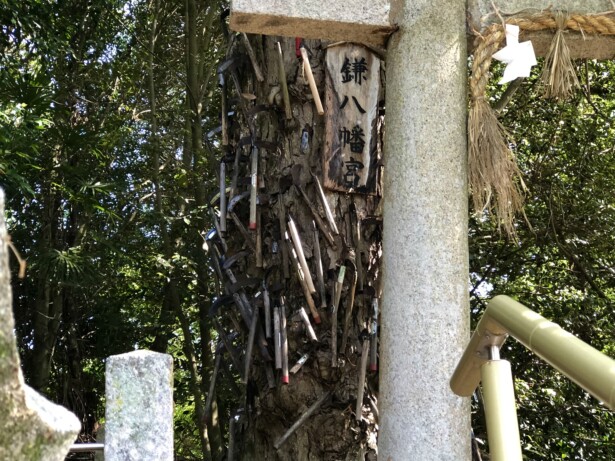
x=76, y=162
x=562, y=265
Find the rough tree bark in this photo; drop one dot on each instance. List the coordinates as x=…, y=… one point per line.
x=290, y=148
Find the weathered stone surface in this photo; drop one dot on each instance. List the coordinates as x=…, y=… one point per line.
x=482, y=10
x=369, y=22
x=425, y=312
x=31, y=427
x=351, y=20
x=139, y=407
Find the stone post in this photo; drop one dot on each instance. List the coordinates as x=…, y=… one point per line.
x=425, y=314
x=31, y=427
x=139, y=407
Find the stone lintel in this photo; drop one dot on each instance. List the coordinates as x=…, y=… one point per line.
x=482, y=15
x=352, y=20
x=481, y=12
x=369, y=23
x=599, y=47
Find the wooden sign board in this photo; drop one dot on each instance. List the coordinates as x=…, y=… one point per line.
x=351, y=107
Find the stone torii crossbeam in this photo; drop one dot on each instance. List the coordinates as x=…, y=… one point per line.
x=371, y=22
x=425, y=313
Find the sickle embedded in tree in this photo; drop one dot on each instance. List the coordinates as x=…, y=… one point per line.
x=349, y=305
x=228, y=262
x=296, y=240
x=236, y=199
x=246, y=310
x=302, y=281
x=317, y=218
x=319, y=271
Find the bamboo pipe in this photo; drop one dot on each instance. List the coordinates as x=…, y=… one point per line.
x=500, y=411
x=581, y=363
x=284, y=335
x=300, y=363
x=283, y=84
x=308, y=326
x=277, y=338
x=325, y=205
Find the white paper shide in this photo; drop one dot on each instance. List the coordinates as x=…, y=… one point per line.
x=519, y=57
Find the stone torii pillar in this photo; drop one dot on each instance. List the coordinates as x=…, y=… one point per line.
x=425, y=312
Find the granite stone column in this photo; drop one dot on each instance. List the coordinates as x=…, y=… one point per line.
x=425, y=314
x=139, y=407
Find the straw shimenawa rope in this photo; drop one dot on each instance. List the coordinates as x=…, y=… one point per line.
x=494, y=177
x=559, y=79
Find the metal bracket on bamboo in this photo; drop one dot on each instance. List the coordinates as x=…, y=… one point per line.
x=488, y=341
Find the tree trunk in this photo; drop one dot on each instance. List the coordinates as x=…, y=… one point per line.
x=289, y=150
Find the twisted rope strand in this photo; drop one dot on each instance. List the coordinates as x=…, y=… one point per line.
x=494, y=36
x=494, y=176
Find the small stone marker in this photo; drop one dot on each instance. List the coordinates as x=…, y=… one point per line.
x=139, y=407
x=351, y=98
x=31, y=427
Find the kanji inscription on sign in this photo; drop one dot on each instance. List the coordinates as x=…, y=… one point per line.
x=351, y=99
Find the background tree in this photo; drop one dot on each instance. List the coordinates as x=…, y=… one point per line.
x=105, y=193
x=561, y=265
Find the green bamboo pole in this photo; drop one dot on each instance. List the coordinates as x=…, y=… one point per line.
x=500, y=411
x=581, y=363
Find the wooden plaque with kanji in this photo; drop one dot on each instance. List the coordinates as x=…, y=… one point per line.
x=351, y=106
